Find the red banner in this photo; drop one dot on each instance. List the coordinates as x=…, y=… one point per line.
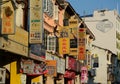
x=69, y=74
x=71, y=63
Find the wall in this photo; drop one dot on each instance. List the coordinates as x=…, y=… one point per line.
x=101, y=71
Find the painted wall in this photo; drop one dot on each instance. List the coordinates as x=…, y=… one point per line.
x=104, y=31
x=101, y=70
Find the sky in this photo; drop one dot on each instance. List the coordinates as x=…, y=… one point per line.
x=86, y=7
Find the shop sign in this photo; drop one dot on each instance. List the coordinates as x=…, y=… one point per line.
x=27, y=66
x=73, y=41
x=71, y=63
x=23, y=78
x=60, y=62
x=64, y=41
x=73, y=22
x=17, y=43
x=64, y=32
x=78, y=66
x=8, y=18
x=62, y=66
x=71, y=82
x=89, y=59
x=64, y=45
x=51, y=67
x=36, y=21
x=38, y=50
x=32, y=68
x=39, y=68
x=49, y=56
x=69, y=74
x=81, y=44
x=37, y=80
x=2, y=75
x=84, y=74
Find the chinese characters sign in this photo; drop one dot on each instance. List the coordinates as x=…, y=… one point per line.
x=73, y=28
x=64, y=45
x=36, y=20
x=8, y=18
x=32, y=68
x=51, y=67
x=71, y=63
x=60, y=62
x=81, y=44
x=64, y=41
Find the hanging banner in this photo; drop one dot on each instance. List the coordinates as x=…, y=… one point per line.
x=36, y=21
x=82, y=44
x=73, y=28
x=23, y=78
x=8, y=18
x=78, y=66
x=64, y=41
x=39, y=68
x=84, y=74
x=71, y=63
x=60, y=62
x=64, y=44
x=73, y=41
x=69, y=74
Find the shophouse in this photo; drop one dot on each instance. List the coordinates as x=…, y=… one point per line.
x=39, y=42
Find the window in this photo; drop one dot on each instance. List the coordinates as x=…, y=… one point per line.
x=65, y=22
x=48, y=7
x=56, y=12
x=51, y=43
x=96, y=62
x=45, y=5
x=46, y=33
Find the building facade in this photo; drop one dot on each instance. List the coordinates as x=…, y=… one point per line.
x=105, y=26
x=40, y=43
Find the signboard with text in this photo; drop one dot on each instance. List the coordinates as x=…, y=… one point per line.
x=64, y=45
x=73, y=28
x=84, y=74
x=51, y=67
x=81, y=44
x=17, y=43
x=8, y=18
x=36, y=21
x=60, y=62
x=71, y=63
